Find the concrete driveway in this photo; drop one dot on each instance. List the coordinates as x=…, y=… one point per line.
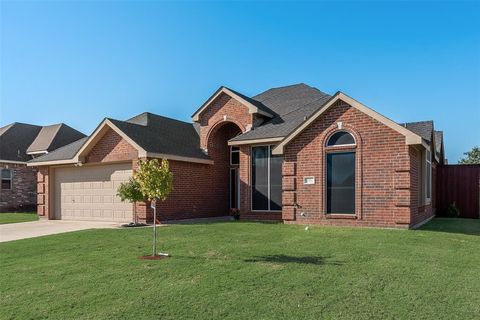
x=24, y=230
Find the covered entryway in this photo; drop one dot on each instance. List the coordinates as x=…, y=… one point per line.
x=89, y=193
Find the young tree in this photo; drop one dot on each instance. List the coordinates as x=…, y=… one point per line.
x=472, y=156
x=130, y=191
x=155, y=183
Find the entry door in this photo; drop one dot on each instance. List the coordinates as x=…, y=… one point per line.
x=234, y=189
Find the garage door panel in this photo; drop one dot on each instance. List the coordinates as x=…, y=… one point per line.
x=90, y=193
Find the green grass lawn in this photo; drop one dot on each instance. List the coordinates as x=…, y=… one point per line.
x=246, y=271
x=18, y=217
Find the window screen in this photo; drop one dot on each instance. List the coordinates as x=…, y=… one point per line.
x=266, y=179
x=260, y=178
x=341, y=182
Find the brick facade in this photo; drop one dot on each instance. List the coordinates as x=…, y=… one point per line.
x=22, y=196
x=111, y=147
x=386, y=179
x=387, y=171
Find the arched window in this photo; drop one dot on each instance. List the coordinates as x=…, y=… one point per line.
x=341, y=138
x=340, y=174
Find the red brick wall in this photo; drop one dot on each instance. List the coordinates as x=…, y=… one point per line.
x=383, y=195
x=22, y=195
x=194, y=194
x=224, y=108
x=111, y=147
x=420, y=210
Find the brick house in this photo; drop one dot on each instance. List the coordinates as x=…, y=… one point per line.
x=291, y=154
x=19, y=143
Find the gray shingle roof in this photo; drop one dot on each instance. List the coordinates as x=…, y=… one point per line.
x=15, y=140
x=292, y=104
x=63, y=153
x=423, y=128
x=52, y=137
x=164, y=135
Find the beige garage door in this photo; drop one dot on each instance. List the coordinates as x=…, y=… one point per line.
x=89, y=193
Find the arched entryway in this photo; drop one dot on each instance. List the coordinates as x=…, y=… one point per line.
x=225, y=171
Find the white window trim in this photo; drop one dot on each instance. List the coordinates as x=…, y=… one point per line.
x=268, y=183
x=11, y=179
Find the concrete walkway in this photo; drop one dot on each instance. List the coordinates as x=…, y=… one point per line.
x=24, y=230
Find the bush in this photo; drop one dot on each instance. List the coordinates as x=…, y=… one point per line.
x=452, y=211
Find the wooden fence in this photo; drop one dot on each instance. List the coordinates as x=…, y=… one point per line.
x=459, y=184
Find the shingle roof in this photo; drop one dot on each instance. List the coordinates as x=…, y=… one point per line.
x=164, y=135
x=292, y=104
x=63, y=153
x=52, y=137
x=423, y=128
x=15, y=140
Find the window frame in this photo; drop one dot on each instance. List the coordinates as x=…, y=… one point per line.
x=354, y=144
x=9, y=179
x=268, y=183
x=237, y=150
x=342, y=148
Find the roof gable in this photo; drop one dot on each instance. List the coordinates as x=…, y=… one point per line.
x=253, y=105
x=410, y=137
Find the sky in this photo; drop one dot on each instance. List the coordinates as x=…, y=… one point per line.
x=78, y=62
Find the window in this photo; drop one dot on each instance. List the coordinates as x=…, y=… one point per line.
x=341, y=138
x=266, y=179
x=234, y=155
x=340, y=174
x=341, y=182
x=428, y=175
x=6, y=179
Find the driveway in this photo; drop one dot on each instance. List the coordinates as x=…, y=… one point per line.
x=24, y=230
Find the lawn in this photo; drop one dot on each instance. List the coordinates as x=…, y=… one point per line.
x=18, y=217
x=243, y=270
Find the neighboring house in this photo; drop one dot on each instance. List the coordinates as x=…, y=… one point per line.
x=19, y=143
x=292, y=154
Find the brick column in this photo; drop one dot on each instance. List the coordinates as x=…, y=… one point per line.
x=288, y=190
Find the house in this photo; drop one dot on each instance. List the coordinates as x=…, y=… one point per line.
x=291, y=154
x=19, y=143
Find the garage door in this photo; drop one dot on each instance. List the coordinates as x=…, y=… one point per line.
x=89, y=193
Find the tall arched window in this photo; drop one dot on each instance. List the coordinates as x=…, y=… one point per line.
x=340, y=174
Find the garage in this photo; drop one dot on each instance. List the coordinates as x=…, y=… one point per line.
x=89, y=193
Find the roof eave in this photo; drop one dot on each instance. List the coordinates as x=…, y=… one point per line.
x=255, y=141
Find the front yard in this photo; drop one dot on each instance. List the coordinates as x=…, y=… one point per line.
x=18, y=217
x=246, y=271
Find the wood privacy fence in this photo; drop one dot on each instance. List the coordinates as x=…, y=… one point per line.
x=459, y=184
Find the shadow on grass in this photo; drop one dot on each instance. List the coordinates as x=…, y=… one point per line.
x=282, y=258
x=453, y=225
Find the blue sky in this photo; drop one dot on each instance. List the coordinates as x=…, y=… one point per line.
x=78, y=62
